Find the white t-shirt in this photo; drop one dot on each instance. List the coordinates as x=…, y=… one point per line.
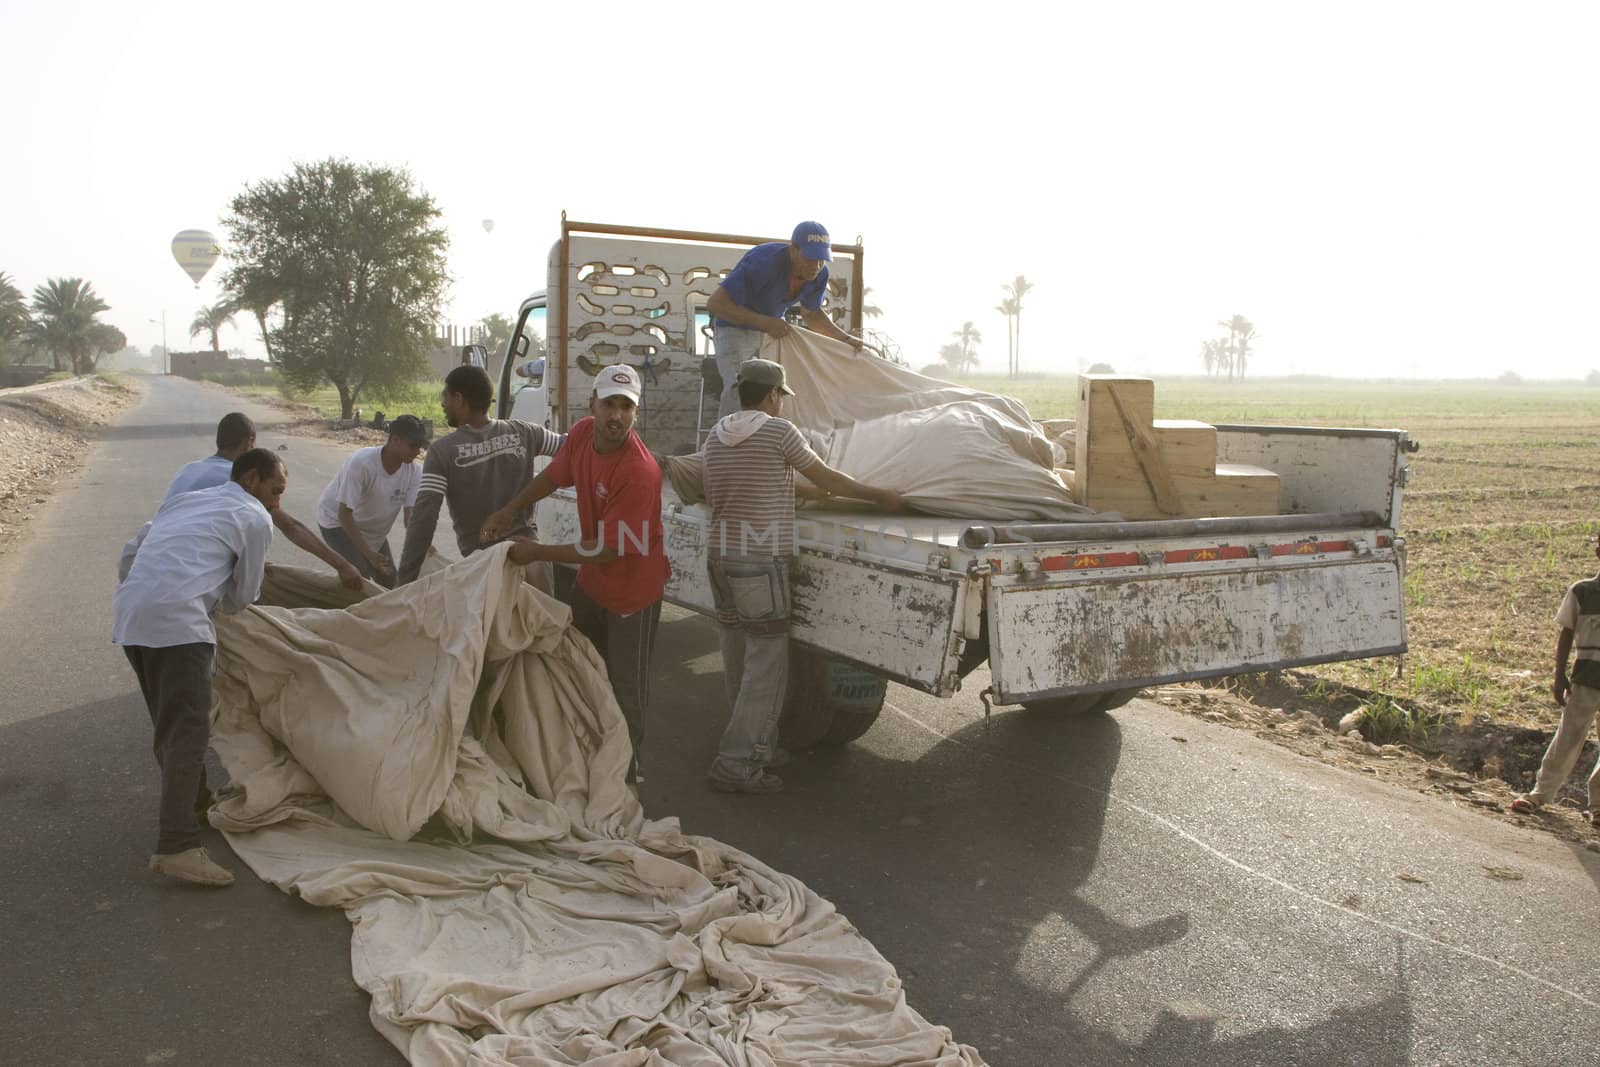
x=372, y=493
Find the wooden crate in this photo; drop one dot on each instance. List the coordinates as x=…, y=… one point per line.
x=1130, y=462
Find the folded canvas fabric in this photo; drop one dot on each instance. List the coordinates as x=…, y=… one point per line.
x=948, y=450
x=445, y=762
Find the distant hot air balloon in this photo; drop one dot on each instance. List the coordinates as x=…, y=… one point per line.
x=195, y=251
x=488, y=225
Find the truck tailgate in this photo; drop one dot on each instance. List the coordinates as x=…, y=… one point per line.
x=1086, y=620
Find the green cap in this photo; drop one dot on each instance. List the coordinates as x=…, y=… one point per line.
x=764, y=372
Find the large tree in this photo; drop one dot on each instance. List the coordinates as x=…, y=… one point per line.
x=211, y=320
x=66, y=325
x=344, y=268
x=1016, y=290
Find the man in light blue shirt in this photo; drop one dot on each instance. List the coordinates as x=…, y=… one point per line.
x=236, y=434
x=205, y=551
x=751, y=301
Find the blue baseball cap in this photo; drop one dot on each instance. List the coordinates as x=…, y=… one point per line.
x=812, y=240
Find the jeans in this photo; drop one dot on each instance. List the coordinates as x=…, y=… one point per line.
x=625, y=642
x=176, y=683
x=340, y=542
x=1565, y=747
x=751, y=594
x=734, y=345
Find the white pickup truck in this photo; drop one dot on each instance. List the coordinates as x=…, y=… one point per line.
x=1069, y=617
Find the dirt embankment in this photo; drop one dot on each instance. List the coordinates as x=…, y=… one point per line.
x=43, y=433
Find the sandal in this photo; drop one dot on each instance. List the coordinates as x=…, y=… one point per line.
x=1525, y=805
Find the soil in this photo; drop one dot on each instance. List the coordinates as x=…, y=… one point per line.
x=44, y=431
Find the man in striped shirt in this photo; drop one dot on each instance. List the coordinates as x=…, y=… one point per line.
x=478, y=468
x=750, y=460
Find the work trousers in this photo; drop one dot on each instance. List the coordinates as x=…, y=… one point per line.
x=751, y=594
x=734, y=345
x=176, y=683
x=1576, y=718
x=626, y=643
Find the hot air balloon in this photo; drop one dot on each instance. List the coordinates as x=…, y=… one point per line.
x=488, y=225
x=195, y=251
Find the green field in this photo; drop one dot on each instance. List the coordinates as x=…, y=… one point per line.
x=1499, y=519
x=422, y=400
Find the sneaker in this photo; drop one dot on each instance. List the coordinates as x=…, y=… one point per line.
x=192, y=865
x=760, y=783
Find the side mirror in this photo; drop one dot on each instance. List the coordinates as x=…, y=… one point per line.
x=533, y=370
x=519, y=347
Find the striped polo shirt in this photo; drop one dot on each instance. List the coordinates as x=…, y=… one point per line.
x=749, y=484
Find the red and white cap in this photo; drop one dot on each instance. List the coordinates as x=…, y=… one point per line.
x=619, y=379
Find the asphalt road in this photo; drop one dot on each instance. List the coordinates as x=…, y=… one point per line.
x=1139, y=888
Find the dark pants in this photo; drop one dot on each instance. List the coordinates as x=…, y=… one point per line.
x=625, y=642
x=176, y=682
x=340, y=542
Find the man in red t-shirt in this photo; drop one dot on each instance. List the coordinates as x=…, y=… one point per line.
x=623, y=566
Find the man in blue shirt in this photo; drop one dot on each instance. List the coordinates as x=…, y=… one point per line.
x=206, y=551
x=752, y=299
x=236, y=435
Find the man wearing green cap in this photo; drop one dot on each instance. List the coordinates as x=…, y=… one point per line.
x=750, y=461
x=766, y=282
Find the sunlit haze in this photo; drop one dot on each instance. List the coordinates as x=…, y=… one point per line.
x=1382, y=189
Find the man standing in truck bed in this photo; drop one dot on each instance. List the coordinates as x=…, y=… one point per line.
x=478, y=468
x=752, y=299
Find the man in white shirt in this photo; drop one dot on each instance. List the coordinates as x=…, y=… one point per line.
x=236, y=434
x=358, y=508
x=205, y=551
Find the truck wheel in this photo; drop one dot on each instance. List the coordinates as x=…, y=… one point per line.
x=829, y=703
x=1082, y=704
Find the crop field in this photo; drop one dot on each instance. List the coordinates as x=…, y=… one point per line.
x=1499, y=518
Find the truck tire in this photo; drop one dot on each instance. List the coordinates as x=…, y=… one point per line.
x=1082, y=704
x=828, y=703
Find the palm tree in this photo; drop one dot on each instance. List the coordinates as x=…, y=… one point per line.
x=1240, y=333
x=1009, y=308
x=13, y=309
x=1018, y=289
x=212, y=319
x=64, y=323
x=967, y=339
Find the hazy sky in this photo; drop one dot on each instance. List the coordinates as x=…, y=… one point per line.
x=1384, y=189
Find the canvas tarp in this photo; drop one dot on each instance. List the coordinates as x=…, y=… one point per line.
x=948, y=450
x=445, y=762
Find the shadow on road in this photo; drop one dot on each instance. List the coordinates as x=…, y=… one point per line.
x=972, y=863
